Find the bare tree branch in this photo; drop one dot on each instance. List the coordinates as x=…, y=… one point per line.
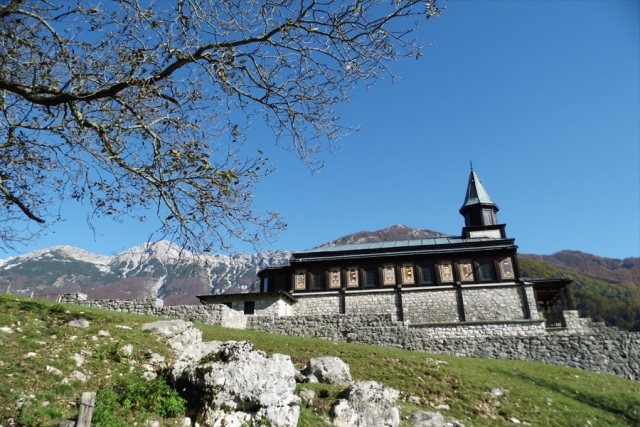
x=130, y=107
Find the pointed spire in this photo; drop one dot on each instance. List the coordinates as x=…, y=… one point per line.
x=476, y=194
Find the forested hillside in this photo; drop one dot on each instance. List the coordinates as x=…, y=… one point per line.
x=617, y=304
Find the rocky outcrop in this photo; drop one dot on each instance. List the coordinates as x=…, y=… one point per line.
x=329, y=370
x=366, y=404
x=230, y=384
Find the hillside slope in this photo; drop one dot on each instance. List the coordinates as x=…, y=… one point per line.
x=462, y=388
x=617, y=304
x=611, y=270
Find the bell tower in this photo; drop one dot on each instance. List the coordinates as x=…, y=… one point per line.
x=479, y=212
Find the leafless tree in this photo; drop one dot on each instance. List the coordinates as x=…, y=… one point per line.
x=136, y=106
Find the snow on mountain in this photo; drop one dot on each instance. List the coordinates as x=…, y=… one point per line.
x=158, y=269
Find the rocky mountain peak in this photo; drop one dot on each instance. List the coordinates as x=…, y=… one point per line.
x=393, y=233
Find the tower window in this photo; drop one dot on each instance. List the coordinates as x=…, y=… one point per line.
x=489, y=217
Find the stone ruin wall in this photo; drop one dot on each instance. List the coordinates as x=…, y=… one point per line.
x=581, y=344
x=209, y=314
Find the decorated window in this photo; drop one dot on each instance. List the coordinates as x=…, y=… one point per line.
x=389, y=274
x=334, y=278
x=408, y=274
x=352, y=277
x=465, y=268
x=446, y=272
x=301, y=280
x=506, y=268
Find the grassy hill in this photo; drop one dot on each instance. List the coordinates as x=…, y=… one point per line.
x=616, y=303
x=30, y=394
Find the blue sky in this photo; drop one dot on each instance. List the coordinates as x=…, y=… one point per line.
x=543, y=96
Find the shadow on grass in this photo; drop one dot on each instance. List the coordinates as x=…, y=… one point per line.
x=618, y=403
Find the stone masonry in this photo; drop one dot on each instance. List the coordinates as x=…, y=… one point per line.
x=581, y=344
x=210, y=314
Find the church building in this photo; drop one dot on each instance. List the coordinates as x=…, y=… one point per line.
x=470, y=279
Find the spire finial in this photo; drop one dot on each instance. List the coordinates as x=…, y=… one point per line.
x=470, y=163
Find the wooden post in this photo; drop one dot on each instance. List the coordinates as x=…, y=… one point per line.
x=87, y=405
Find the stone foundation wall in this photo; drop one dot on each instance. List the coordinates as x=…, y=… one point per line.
x=363, y=303
x=316, y=305
x=503, y=303
x=436, y=306
x=531, y=299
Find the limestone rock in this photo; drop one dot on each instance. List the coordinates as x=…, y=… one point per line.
x=366, y=404
x=497, y=392
x=78, y=359
x=154, y=358
x=148, y=376
x=427, y=419
x=54, y=371
x=307, y=395
x=78, y=376
x=235, y=383
x=310, y=379
x=329, y=370
x=181, y=334
x=414, y=400
x=300, y=377
x=126, y=350
x=79, y=323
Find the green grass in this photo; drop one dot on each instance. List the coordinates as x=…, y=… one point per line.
x=543, y=395
x=45, y=398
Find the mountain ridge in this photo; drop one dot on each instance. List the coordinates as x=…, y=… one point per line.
x=159, y=269
x=395, y=232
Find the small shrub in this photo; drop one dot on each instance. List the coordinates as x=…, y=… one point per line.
x=218, y=356
x=133, y=394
